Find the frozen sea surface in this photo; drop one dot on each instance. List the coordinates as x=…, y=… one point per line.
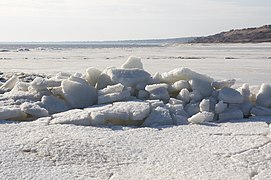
x=249, y=63
x=233, y=150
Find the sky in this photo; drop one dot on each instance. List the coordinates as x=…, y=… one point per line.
x=90, y=20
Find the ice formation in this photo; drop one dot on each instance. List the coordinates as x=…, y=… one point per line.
x=131, y=96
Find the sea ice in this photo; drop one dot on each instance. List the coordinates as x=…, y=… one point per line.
x=220, y=107
x=183, y=74
x=184, y=96
x=34, y=110
x=223, y=83
x=74, y=116
x=113, y=97
x=12, y=113
x=230, y=95
x=204, y=105
x=132, y=62
x=79, y=95
x=264, y=96
x=9, y=84
x=201, y=117
x=92, y=75
x=231, y=114
x=53, y=104
x=159, y=117
x=203, y=86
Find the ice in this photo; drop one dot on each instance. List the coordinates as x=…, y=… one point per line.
x=12, y=113
x=34, y=110
x=201, y=117
x=204, y=105
x=118, y=88
x=261, y=111
x=184, y=96
x=245, y=92
x=229, y=95
x=142, y=94
x=183, y=74
x=40, y=83
x=223, y=83
x=179, y=120
x=78, y=95
x=132, y=62
x=9, y=84
x=53, y=104
x=175, y=101
x=192, y=108
x=231, y=114
x=113, y=97
x=220, y=107
x=75, y=116
x=203, y=86
x=128, y=77
x=158, y=91
x=264, y=96
x=195, y=96
x=159, y=117
x=120, y=113
x=178, y=86
x=92, y=75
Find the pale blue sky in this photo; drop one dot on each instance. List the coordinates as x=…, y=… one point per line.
x=61, y=20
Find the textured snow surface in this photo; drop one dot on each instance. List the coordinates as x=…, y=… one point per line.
x=234, y=150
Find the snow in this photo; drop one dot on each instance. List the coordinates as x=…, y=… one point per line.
x=52, y=147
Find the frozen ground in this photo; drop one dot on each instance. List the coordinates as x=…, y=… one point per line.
x=233, y=150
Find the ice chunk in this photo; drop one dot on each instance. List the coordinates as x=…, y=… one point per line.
x=260, y=111
x=178, y=86
x=201, y=117
x=79, y=95
x=223, y=83
x=264, y=96
x=53, y=104
x=195, y=96
x=75, y=116
x=118, y=88
x=21, y=86
x=11, y=113
x=9, y=84
x=120, y=113
x=34, y=110
x=245, y=92
x=158, y=91
x=92, y=75
x=159, y=116
x=141, y=86
x=142, y=94
x=113, y=97
x=156, y=103
x=177, y=109
x=192, y=108
x=229, y=95
x=183, y=74
x=179, y=120
x=132, y=62
x=156, y=79
x=128, y=77
x=220, y=107
x=203, y=86
x=175, y=101
x=184, y=96
x=62, y=76
x=231, y=114
x=40, y=83
x=104, y=79
x=204, y=105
